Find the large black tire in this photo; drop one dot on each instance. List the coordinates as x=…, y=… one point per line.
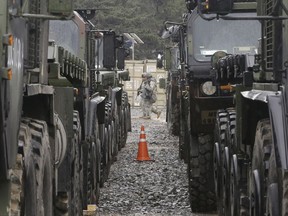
x=126, y=118
x=29, y=196
x=123, y=128
x=229, y=149
x=16, y=187
x=184, y=134
x=201, y=188
x=110, y=144
x=259, y=171
x=284, y=194
x=126, y=111
x=114, y=140
x=277, y=189
x=118, y=120
x=173, y=113
x=98, y=170
x=220, y=139
x=43, y=167
x=273, y=182
x=75, y=194
x=84, y=156
x=93, y=173
x=104, y=158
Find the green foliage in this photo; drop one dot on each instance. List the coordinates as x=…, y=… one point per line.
x=143, y=17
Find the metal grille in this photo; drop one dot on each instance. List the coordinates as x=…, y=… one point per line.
x=34, y=35
x=269, y=36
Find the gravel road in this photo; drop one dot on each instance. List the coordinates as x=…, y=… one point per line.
x=156, y=187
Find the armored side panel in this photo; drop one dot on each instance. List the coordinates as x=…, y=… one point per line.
x=109, y=50
x=11, y=86
x=64, y=109
x=68, y=34
x=60, y=6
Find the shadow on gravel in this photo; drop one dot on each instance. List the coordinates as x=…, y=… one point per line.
x=158, y=188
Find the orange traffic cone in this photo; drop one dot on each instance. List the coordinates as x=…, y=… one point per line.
x=142, y=147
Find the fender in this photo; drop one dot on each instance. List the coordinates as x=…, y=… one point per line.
x=96, y=107
x=60, y=140
x=275, y=101
x=279, y=127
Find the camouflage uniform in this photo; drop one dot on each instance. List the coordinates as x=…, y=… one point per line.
x=148, y=91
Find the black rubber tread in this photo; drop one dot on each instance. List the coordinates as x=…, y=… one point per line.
x=181, y=138
x=272, y=204
x=70, y=202
x=237, y=202
x=43, y=165
x=97, y=170
x=91, y=174
x=184, y=136
x=29, y=197
x=220, y=138
x=125, y=125
x=229, y=149
x=173, y=115
x=174, y=120
x=226, y=181
x=16, y=186
x=114, y=139
x=284, y=194
x=125, y=101
x=104, y=159
x=110, y=146
x=125, y=118
x=119, y=130
x=123, y=128
x=61, y=204
x=231, y=131
x=272, y=201
x=238, y=197
x=234, y=186
x=75, y=194
x=84, y=156
x=181, y=130
x=201, y=189
x=260, y=161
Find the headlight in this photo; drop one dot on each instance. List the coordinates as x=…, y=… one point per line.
x=207, y=88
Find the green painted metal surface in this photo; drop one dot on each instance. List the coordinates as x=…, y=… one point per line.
x=60, y=6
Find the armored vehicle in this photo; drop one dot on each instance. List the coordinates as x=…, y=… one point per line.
x=202, y=39
x=250, y=152
x=59, y=133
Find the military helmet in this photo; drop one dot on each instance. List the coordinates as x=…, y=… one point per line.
x=146, y=75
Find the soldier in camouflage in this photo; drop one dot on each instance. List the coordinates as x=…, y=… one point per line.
x=148, y=91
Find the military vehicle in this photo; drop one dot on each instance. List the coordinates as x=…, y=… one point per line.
x=202, y=38
x=61, y=122
x=250, y=158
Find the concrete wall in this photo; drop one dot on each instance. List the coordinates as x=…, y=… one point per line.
x=136, y=68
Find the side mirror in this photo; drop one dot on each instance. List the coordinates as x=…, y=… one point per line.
x=159, y=60
x=109, y=51
x=121, y=58
x=162, y=83
x=168, y=59
x=191, y=4
x=60, y=7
